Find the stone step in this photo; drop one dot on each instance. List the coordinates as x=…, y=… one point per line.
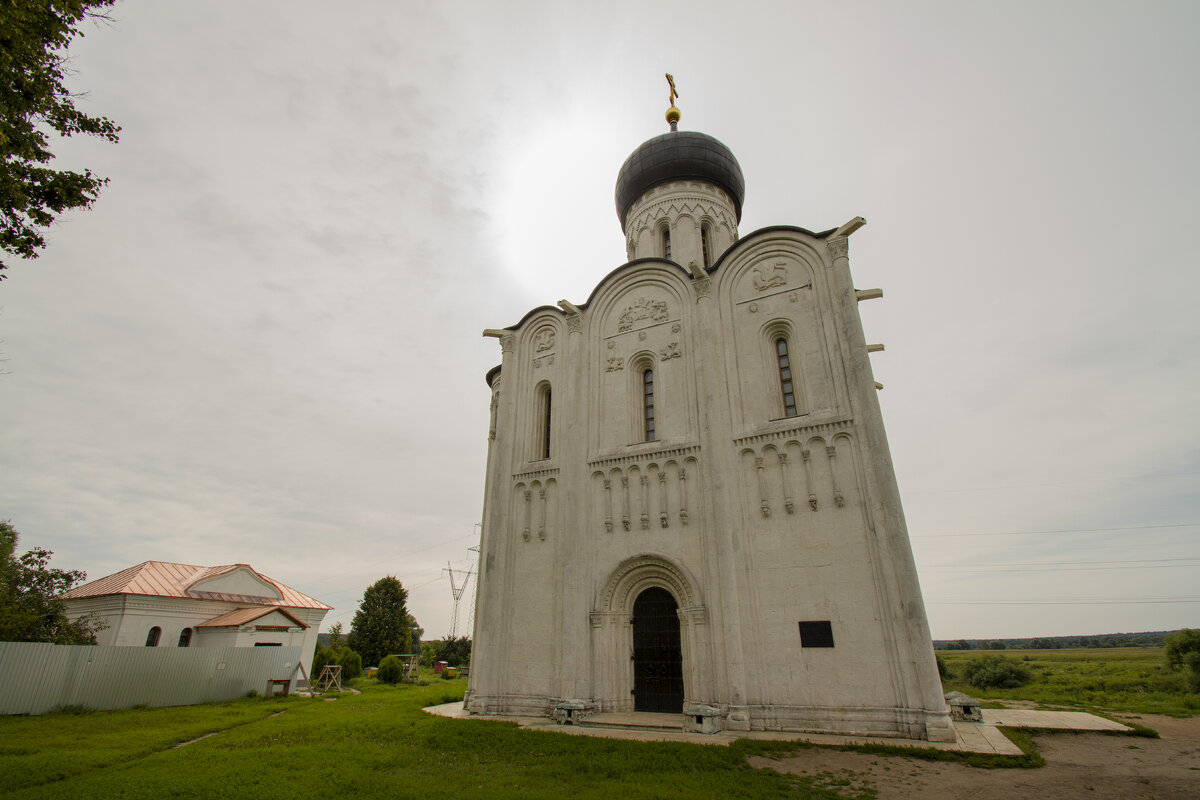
x=634, y=720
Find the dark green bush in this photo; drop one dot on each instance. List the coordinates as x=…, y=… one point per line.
x=391, y=670
x=941, y=665
x=1182, y=649
x=351, y=664
x=996, y=672
x=321, y=658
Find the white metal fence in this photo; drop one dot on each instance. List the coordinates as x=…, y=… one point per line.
x=36, y=678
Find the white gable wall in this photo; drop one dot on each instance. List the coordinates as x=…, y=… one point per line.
x=242, y=580
x=131, y=617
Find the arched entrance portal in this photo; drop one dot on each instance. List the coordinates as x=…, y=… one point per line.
x=657, y=654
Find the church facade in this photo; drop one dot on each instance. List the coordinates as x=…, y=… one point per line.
x=690, y=505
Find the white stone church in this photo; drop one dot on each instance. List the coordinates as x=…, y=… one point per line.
x=690, y=506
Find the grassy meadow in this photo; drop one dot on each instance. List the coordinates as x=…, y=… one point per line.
x=375, y=745
x=1131, y=680
x=380, y=744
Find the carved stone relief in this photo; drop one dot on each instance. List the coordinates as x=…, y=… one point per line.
x=543, y=340
x=642, y=309
x=765, y=280
x=670, y=351
x=615, y=363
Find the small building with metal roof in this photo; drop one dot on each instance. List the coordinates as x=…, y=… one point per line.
x=164, y=604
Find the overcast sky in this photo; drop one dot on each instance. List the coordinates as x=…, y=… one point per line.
x=263, y=344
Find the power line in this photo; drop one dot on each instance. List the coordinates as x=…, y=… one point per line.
x=1147, y=601
x=984, y=570
x=1058, y=530
x=1068, y=566
x=1051, y=483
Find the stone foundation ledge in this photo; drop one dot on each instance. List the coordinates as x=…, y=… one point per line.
x=971, y=737
x=901, y=723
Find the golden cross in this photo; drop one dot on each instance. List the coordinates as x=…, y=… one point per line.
x=674, y=94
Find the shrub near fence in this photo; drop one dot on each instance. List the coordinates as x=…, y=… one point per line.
x=42, y=677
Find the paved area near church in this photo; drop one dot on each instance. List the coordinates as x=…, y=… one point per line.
x=1050, y=720
x=973, y=737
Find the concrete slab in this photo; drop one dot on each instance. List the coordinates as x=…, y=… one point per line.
x=1053, y=720
x=639, y=719
x=973, y=737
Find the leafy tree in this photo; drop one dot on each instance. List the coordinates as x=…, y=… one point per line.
x=1042, y=643
x=417, y=633
x=996, y=672
x=31, y=609
x=1182, y=649
x=336, y=640
x=997, y=645
x=380, y=626
x=455, y=651
x=34, y=105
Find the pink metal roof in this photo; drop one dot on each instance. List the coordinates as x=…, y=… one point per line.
x=166, y=579
x=243, y=615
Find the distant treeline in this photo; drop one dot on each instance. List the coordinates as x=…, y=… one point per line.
x=1147, y=639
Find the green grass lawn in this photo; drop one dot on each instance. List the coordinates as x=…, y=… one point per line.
x=380, y=744
x=1125, y=679
x=377, y=744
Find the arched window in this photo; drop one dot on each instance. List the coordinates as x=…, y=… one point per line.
x=785, y=377
x=541, y=444
x=648, y=404
x=666, y=242
x=706, y=243
x=185, y=637
x=152, y=636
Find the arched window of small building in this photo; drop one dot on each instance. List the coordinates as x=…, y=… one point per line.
x=152, y=636
x=185, y=637
x=786, y=384
x=666, y=242
x=706, y=243
x=541, y=443
x=648, y=404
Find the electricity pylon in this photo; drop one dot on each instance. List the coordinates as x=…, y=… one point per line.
x=457, y=590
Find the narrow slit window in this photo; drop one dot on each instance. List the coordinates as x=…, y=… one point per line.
x=541, y=444
x=666, y=242
x=546, y=425
x=786, y=385
x=648, y=403
x=705, y=234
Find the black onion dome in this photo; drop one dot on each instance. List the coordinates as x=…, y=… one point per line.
x=679, y=155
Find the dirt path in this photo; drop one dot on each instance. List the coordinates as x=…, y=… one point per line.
x=1078, y=765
